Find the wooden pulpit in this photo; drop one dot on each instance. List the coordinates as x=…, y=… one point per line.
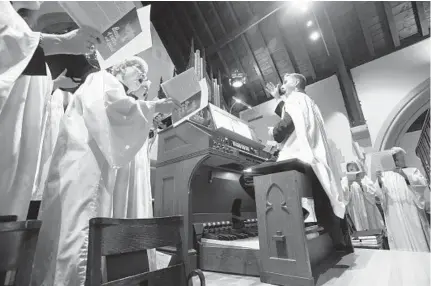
x=289, y=255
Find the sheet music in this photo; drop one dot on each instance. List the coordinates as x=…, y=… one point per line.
x=97, y=15
x=182, y=87
x=125, y=29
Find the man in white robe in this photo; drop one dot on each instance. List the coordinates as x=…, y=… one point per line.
x=307, y=141
x=360, y=195
x=102, y=131
x=25, y=86
x=403, y=200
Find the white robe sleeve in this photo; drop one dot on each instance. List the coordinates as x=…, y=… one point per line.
x=346, y=190
x=17, y=46
x=419, y=186
x=371, y=192
x=118, y=124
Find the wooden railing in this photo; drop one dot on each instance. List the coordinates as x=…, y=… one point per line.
x=423, y=147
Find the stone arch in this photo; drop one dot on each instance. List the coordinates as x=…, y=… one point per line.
x=402, y=116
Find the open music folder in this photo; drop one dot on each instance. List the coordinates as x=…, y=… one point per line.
x=126, y=30
x=190, y=94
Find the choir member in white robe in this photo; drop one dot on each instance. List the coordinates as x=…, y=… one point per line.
x=102, y=131
x=403, y=205
x=55, y=110
x=25, y=86
x=308, y=142
x=361, y=197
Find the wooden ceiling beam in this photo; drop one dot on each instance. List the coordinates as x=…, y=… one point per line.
x=208, y=30
x=244, y=28
x=348, y=90
x=364, y=20
x=183, y=36
x=271, y=59
x=287, y=47
x=301, y=43
x=248, y=48
x=190, y=24
x=421, y=21
x=235, y=55
x=391, y=23
x=174, y=45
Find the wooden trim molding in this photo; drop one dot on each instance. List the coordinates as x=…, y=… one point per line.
x=402, y=116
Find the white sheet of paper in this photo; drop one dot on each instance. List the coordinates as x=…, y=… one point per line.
x=203, y=102
x=182, y=86
x=162, y=260
x=308, y=204
x=139, y=44
x=97, y=15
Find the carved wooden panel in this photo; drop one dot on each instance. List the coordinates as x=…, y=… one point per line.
x=281, y=223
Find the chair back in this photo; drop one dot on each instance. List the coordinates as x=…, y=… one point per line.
x=18, y=241
x=128, y=240
x=8, y=218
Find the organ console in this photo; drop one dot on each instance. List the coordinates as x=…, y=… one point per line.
x=212, y=139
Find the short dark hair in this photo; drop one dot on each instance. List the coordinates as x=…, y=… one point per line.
x=302, y=81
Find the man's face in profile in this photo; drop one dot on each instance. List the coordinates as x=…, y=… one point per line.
x=288, y=86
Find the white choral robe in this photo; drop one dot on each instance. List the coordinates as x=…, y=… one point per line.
x=132, y=193
x=361, y=206
x=407, y=226
x=101, y=132
x=308, y=143
x=51, y=126
x=22, y=104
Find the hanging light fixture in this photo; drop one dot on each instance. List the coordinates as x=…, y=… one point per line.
x=237, y=79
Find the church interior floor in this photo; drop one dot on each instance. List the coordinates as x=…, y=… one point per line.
x=364, y=267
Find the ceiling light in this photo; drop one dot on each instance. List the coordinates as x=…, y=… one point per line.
x=301, y=5
x=314, y=36
x=247, y=170
x=237, y=79
x=309, y=23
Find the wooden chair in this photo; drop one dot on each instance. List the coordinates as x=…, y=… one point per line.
x=17, y=248
x=126, y=238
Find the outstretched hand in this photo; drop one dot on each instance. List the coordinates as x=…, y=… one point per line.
x=272, y=90
x=81, y=41
x=164, y=106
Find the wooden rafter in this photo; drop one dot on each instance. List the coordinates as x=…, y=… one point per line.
x=174, y=44
x=421, y=20
x=301, y=43
x=208, y=30
x=287, y=47
x=350, y=97
x=247, y=46
x=364, y=20
x=271, y=59
x=391, y=23
x=235, y=55
x=190, y=24
x=241, y=29
x=177, y=24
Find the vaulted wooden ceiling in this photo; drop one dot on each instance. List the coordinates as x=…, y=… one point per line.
x=265, y=39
